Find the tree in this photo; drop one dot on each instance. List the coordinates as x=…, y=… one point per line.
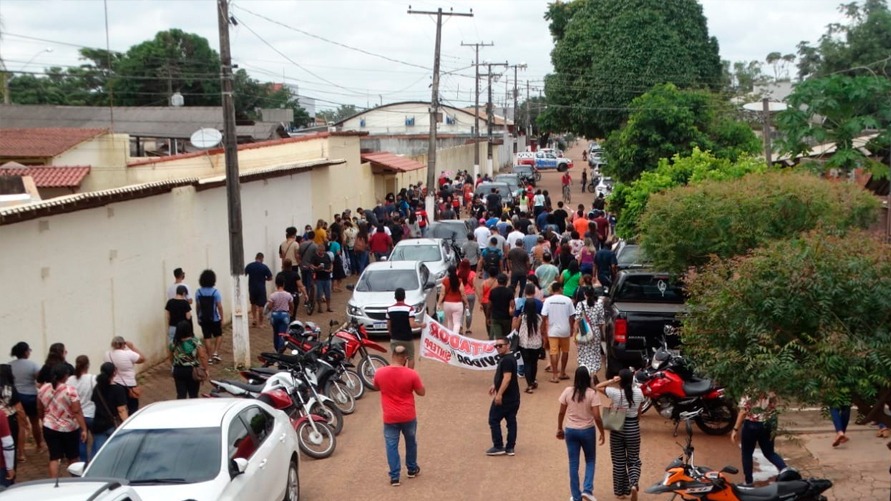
x=342, y=111
x=537, y=106
x=779, y=62
x=667, y=121
x=850, y=106
x=864, y=41
x=743, y=76
x=606, y=53
x=683, y=227
x=629, y=200
x=807, y=317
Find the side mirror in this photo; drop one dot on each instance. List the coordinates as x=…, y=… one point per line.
x=729, y=469
x=237, y=467
x=77, y=469
x=350, y=287
x=429, y=285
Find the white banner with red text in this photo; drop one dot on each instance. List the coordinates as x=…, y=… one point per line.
x=443, y=345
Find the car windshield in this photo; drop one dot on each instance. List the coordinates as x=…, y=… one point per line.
x=630, y=254
x=166, y=455
x=386, y=280
x=522, y=169
x=456, y=230
x=425, y=253
x=651, y=288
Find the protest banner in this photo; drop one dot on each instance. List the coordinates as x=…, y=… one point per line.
x=443, y=345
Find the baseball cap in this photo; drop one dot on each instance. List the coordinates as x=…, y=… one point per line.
x=482, y=220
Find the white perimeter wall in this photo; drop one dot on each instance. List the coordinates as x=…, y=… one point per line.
x=83, y=277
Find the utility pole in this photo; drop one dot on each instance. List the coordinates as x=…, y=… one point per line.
x=490, y=116
x=765, y=111
x=528, y=116
x=434, y=105
x=521, y=66
x=240, y=337
x=476, y=105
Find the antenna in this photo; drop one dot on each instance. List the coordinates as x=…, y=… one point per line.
x=206, y=138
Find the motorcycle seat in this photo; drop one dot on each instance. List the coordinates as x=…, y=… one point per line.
x=696, y=388
x=253, y=388
x=772, y=492
x=265, y=370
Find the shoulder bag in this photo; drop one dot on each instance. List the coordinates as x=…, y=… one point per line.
x=586, y=333
x=613, y=417
x=115, y=417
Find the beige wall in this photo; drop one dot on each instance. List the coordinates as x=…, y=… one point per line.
x=107, y=155
x=85, y=276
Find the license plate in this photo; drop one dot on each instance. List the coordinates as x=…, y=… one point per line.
x=379, y=325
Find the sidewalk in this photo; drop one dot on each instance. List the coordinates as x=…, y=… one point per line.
x=859, y=469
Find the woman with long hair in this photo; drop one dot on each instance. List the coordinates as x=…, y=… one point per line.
x=485, y=288
x=110, y=400
x=570, y=278
x=187, y=353
x=55, y=355
x=591, y=311
x=453, y=300
x=467, y=277
x=585, y=257
x=527, y=323
x=63, y=420
x=579, y=416
x=84, y=383
x=756, y=425
x=360, y=249
x=24, y=373
x=624, y=445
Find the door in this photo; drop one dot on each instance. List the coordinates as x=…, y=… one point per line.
x=248, y=439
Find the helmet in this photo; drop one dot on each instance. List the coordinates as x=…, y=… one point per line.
x=312, y=328
x=296, y=328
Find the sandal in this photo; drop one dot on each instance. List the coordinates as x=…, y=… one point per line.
x=837, y=441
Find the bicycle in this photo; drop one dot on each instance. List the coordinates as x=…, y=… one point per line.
x=567, y=193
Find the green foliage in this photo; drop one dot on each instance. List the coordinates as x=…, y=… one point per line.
x=849, y=105
x=629, y=201
x=606, y=53
x=536, y=105
x=865, y=40
x=342, y=111
x=684, y=226
x=807, y=317
x=667, y=121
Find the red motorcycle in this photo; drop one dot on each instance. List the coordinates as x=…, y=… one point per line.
x=672, y=388
x=356, y=342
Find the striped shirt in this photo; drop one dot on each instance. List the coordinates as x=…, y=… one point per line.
x=400, y=326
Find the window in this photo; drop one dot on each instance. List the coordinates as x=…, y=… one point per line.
x=410, y=121
x=384, y=280
x=260, y=421
x=450, y=120
x=241, y=443
x=425, y=253
x=362, y=122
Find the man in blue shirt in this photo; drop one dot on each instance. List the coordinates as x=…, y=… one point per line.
x=258, y=274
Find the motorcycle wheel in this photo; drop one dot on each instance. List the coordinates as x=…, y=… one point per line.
x=645, y=406
x=331, y=413
x=367, y=368
x=591, y=187
x=340, y=396
x=353, y=383
x=316, y=442
x=717, y=418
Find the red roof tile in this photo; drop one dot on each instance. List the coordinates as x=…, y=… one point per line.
x=42, y=142
x=50, y=176
x=391, y=162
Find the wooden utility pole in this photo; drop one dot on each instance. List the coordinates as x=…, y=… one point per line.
x=240, y=337
x=476, y=105
x=490, y=117
x=765, y=110
x=434, y=104
x=528, y=116
x=521, y=66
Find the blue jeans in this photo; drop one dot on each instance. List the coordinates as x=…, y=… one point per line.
x=391, y=438
x=99, y=440
x=280, y=321
x=507, y=412
x=323, y=291
x=583, y=440
x=361, y=261
x=760, y=433
x=82, y=449
x=840, y=418
x=171, y=330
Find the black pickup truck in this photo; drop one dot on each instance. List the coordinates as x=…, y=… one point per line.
x=639, y=307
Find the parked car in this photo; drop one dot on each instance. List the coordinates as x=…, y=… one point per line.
x=605, y=186
x=630, y=256
x=549, y=160
x=484, y=188
x=71, y=489
x=512, y=181
x=596, y=159
x=527, y=172
x=435, y=253
x=373, y=293
x=453, y=231
x=203, y=449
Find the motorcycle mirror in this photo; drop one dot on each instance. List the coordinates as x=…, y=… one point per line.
x=729, y=469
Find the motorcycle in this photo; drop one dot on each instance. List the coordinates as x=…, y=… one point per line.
x=314, y=437
x=358, y=343
x=677, y=394
x=303, y=337
x=685, y=479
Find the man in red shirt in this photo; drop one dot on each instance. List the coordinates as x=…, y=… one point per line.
x=398, y=385
x=380, y=243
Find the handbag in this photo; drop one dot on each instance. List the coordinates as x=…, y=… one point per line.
x=134, y=392
x=585, y=335
x=199, y=373
x=613, y=417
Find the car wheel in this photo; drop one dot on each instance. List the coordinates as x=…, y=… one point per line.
x=292, y=487
x=561, y=168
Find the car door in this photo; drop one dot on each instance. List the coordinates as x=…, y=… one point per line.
x=248, y=438
x=430, y=296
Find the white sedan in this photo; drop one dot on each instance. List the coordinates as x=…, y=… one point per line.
x=203, y=449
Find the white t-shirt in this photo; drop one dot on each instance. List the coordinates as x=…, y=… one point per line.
x=559, y=309
x=84, y=387
x=619, y=401
x=538, y=200
x=482, y=235
x=125, y=362
x=512, y=238
x=171, y=291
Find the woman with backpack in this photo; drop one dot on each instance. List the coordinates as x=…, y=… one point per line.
x=589, y=331
x=189, y=359
x=210, y=312
x=527, y=323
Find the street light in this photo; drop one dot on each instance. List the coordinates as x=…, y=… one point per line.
x=7, y=97
x=35, y=56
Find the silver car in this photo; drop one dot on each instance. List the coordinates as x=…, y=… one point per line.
x=373, y=293
x=435, y=253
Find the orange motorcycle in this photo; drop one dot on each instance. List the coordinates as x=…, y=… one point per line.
x=683, y=478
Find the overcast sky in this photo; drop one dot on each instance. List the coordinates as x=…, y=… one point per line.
x=746, y=30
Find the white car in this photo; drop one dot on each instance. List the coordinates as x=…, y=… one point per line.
x=605, y=186
x=436, y=253
x=203, y=450
x=374, y=293
x=71, y=489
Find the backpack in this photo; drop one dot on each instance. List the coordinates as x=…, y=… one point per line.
x=206, y=306
x=491, y=258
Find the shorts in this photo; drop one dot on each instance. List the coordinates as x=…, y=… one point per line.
x=558, y=345
x=212, y=329
x=257, y=297
x=323, y=289
x=29, y=403
x=62, y=444
x=408, y=345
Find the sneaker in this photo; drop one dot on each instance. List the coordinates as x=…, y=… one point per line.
x=216, y=357
x=510, y=451
x=414, y=473
x=495, y=451
x=394, y=482
x=587, y=496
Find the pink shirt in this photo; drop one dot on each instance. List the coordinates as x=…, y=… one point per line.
x=124, y=361
x=281, y=301
x=579, y=415
x=58, y=402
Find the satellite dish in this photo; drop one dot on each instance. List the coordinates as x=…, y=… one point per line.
x=772, y=106
x=206, y=138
